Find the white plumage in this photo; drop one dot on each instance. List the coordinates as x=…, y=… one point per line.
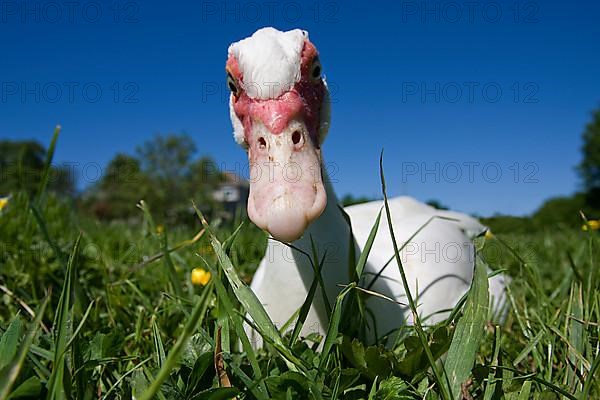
x=438, y=261
x=269, y=61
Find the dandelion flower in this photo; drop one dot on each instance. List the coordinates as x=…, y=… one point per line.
x=200, y=277
x=592, y=224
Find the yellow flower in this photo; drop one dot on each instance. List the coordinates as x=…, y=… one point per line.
x=488, y=235
x=200, y=277
x=160, y=229
x=592, y=224
x=3, y=202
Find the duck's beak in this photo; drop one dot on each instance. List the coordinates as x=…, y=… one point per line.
x=286, y=186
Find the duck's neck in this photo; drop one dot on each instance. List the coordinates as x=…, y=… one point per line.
x=331, y=236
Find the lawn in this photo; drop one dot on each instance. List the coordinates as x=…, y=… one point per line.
x=98, y=310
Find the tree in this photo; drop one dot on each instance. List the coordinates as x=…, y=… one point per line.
x=120, y=189
x=124, y=185
x=164, y=174
x=22, y=165
x=167, y=157
x=62, y=181
x=203, y=174
x=436, y=204
x=589, y=168
x=562, y=211
x=203, y=178
x=349, y=200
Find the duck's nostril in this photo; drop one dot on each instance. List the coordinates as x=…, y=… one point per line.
x=262, y=143
x=296, y=137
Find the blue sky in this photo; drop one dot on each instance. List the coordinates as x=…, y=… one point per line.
x=478, y=104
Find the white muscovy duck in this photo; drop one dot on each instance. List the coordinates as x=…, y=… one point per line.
x=279, y=107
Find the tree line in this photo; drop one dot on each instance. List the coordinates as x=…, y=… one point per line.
x=166, y=172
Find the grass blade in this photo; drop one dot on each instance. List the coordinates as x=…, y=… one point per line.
x=171, y=361
x=48, y=164
x=351, y=247
x=170, y=267
x=406, y=242
x=362, y=260
x=469, y=331
x=158, y=344
x=305, y=308
x=539, y=380
x=494, y=379
x=334, y=323
x=9, y=374
x=56, y=389
x=314, y=263
x=125, y=375
x=10, y=341
x=525, y=390
x=44, y=229
x=248, y=299
x=239, y=330
x=589, y=382
x=443, y=384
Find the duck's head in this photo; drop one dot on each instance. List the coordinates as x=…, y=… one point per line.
x=279, y=107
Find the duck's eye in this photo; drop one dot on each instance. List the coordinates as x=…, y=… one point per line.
x=232, y=85
x=315, y=70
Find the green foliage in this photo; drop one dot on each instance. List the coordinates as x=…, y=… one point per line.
x=436, y=204
x=121, y=188
x=349, y=200
x=589, y=168
x=562, y=212
x=555, y=213
x=469, y=332
x=164, y=174
x=548, y=339
x=394, y=388
x=508, y=224
x=22, y=167
x=167, y=156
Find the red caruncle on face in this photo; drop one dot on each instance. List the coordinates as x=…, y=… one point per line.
x=303, y=101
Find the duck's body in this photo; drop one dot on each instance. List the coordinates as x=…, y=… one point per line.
x=438, y=262
x=279, y=107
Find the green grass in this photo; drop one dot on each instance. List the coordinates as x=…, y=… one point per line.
x=94, y=310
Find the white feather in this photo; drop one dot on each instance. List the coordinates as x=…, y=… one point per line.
x=238, y=128
x=269, y=61
x=438, y=263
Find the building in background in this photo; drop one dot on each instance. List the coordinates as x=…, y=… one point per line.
x=232, y=194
